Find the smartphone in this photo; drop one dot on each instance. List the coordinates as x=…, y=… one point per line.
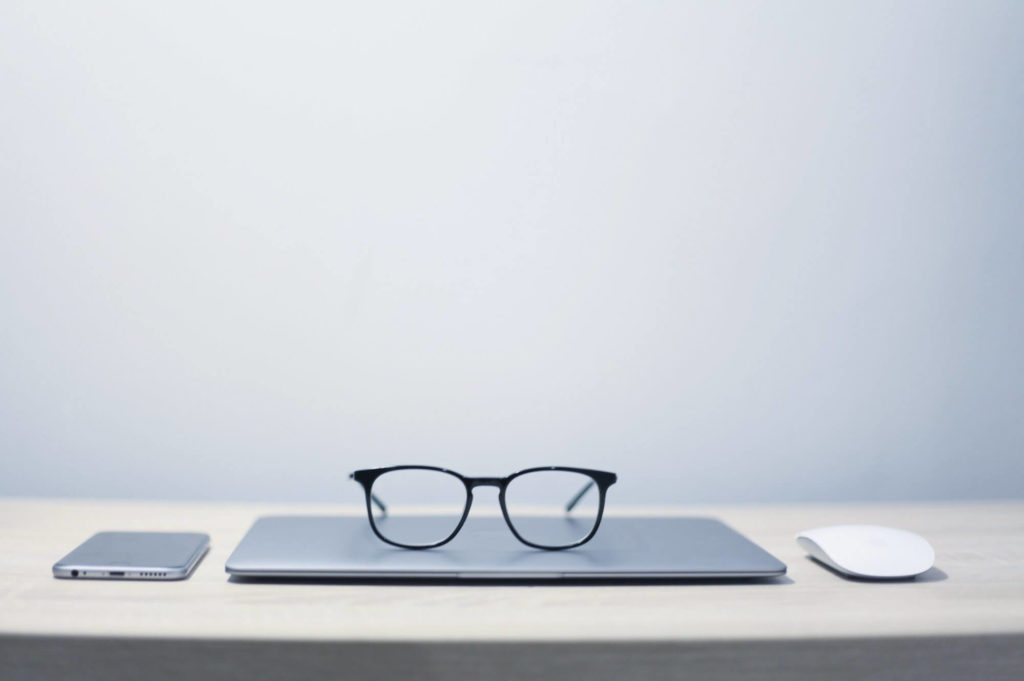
x=134, y=555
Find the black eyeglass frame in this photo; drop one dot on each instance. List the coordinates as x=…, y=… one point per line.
x=602, y=479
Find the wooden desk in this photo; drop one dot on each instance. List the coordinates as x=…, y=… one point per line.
x=962, y=620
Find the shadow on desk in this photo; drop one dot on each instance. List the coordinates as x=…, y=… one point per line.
x=938, y=658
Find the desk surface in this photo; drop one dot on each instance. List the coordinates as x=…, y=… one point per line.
x=975, y=592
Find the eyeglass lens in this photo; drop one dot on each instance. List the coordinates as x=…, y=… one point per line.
x=407, y=493
x=537, y=503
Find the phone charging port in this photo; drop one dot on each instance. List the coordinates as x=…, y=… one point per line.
x=116, y=574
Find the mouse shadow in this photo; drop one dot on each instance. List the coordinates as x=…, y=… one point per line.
x=932, y=574
x=481, y=581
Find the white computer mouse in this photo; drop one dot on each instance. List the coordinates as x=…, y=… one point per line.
x=869, y=551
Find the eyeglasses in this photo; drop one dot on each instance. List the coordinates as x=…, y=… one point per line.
x=527, y=498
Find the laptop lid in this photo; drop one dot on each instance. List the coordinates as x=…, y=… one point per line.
x=623, y=549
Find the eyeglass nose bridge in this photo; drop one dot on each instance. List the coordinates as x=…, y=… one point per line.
x=484, y=482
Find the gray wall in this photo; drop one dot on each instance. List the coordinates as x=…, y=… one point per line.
x=733, y=251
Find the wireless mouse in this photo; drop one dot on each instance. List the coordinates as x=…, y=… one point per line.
x=869, y=551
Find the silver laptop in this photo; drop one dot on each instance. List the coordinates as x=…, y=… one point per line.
x=342, y=547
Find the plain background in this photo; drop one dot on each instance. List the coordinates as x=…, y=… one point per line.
x=754, y=251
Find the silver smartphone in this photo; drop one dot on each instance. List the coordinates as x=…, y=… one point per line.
x=134, y=555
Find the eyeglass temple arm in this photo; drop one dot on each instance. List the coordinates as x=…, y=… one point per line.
x=579, y=495
x=374, y=498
